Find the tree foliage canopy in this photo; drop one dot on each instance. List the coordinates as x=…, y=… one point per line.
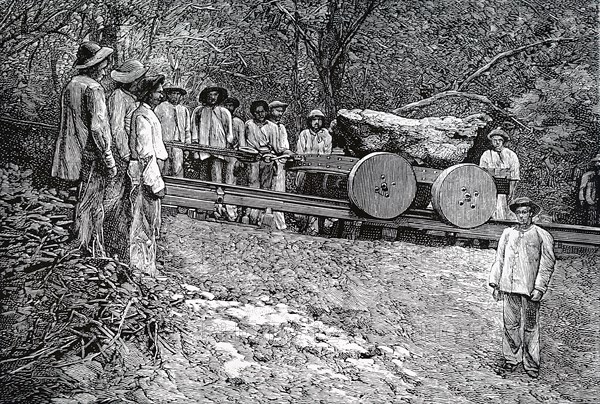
x=532, y=65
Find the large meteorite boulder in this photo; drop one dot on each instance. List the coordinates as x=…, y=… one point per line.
x=438, y=142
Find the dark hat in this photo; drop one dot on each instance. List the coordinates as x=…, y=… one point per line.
x=204, y=94
x=258, y=103
x=499, y=132
x=171, y=88
x=232, y=100
x=90, y=54
x=145, y=85
x=277, y=104
x=524, y=201
x=129, y=71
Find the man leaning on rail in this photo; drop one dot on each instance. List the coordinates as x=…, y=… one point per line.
x=520, y=276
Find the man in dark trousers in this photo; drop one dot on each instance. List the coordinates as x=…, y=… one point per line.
x=519, y=276
x=83, y=148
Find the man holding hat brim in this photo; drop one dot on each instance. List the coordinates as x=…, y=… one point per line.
x=500, y=157
x=588, y=192
x=211, y=126
x=83, y=148
x=121, y=104
x=520, y=276
x=281, y=148
x=148, y=187
x=175, y=121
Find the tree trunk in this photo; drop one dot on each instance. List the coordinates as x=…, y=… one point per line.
x=110, y=32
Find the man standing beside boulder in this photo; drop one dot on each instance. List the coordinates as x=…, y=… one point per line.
x=501, y=157
x=83, y=148
x=520, y=276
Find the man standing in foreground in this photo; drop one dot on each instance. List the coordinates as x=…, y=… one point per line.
x=83, y=148
x=520, y=276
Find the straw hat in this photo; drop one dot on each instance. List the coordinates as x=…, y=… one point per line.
x=90, y=54
x=499, y=132
x=129, y=71
x=204, y=94
x=525, y=201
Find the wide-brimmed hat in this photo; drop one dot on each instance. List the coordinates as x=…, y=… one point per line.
x=145, y=85
x=129, y=71
x=172, y=88
x=90, y=54
x=315, y=113
x=524, y=201
x=204, y=94
x=499, y=132
x=278, y=104
x=232, y=100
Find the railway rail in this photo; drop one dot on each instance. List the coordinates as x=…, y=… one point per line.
x=204, y=195
x=381, y=191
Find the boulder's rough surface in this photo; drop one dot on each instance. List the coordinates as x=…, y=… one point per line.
x=438, y=142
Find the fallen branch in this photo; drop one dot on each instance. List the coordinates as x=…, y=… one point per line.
x=453, y=93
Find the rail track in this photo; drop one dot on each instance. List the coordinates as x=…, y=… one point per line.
x=204, y=195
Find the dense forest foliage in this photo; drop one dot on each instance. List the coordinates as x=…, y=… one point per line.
x=532, y=65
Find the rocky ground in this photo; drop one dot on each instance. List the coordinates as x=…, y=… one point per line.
x=245, y=315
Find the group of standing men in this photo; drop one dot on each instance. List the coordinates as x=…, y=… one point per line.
x=115, y=148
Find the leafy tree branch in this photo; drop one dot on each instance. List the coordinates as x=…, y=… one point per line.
x=505, y=55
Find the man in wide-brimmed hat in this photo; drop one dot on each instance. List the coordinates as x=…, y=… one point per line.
x=121, y=104
x=520, y=276
x=83, y=148
x=313, y=140
x=148, y=187
x=175, y=121
x=499, y=157
x=588, y=192
x=211, y=126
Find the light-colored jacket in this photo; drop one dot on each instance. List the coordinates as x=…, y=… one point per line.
x=258, y=136
x=146, y=147
x=175, y=122
x=507, y=159
x=310, y=142
x=84, y=128
x=121, y=105
x=524, y=261
x=279, y=141
x=211, y=126
x=239, y=139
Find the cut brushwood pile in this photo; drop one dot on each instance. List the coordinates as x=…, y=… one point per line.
x=60, y=309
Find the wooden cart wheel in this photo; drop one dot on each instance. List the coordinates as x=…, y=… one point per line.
x=464, y=195
x=382, y=185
